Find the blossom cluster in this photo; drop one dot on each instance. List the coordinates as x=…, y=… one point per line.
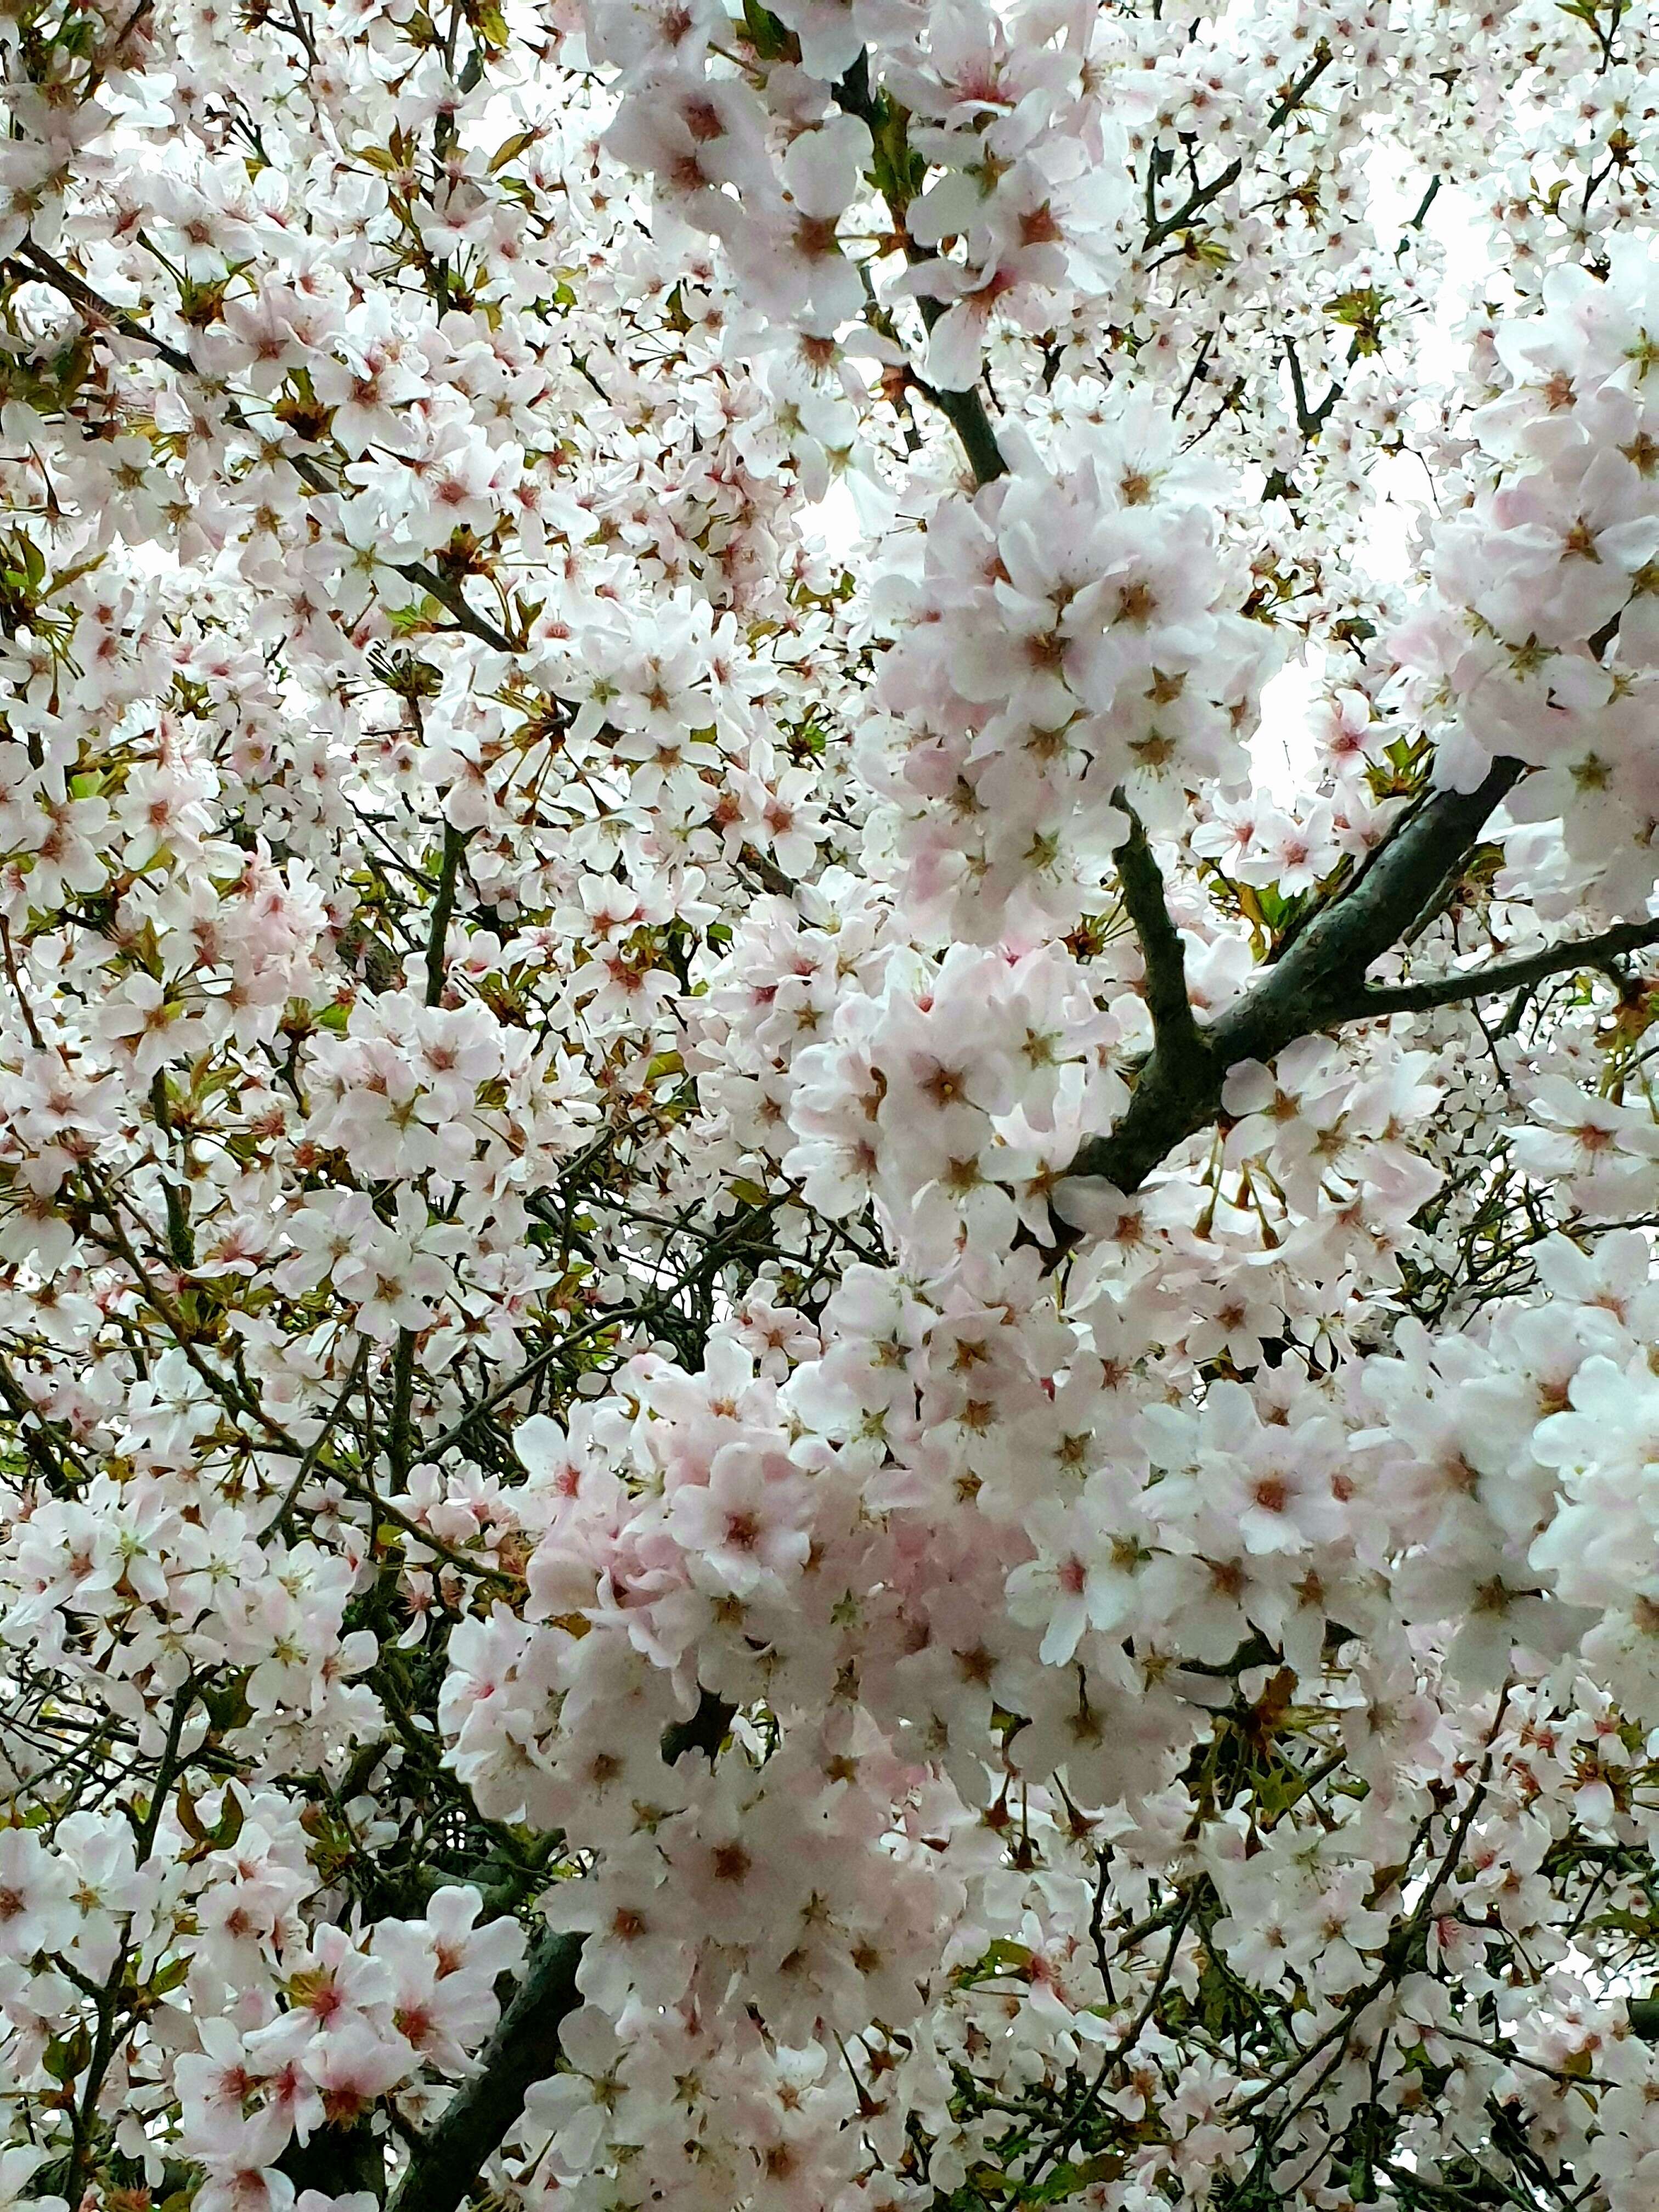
x=1538, y=640
x=1071, y=647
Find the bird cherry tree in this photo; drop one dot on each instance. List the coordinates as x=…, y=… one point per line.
x=804, y=1407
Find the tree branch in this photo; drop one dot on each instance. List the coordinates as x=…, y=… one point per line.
x=963, y=410
x=44, y=270
x=1405, y=884
x=451, y=597
x=443, y=906
x=284, y=1522
x=523, y=2049
x=771, y=876
x=967, y=417
x=1500, y=976
x=1174, y=1024
x=1159, y=231
x=725, y=1245
x=41, y=268
x=1310, y=421
x=1313, y=984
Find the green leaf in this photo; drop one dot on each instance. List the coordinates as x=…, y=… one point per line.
x=771, y=39
x=227, y=1706
x=66, y=2056
x=898, y=172
x=510, y=148
x=490, y=25
x=166, y=1979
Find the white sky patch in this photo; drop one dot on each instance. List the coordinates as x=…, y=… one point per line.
x=835, y=519
x=1282, y=753
x=1284, y=750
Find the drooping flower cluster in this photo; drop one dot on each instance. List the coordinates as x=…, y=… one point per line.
x=1541, y=640
x=1023, y=158
x=1070, y=649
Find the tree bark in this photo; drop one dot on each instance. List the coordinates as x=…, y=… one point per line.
x=1317, y=981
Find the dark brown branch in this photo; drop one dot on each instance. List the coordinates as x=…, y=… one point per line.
x=1123, y=2048
x=51, y=1455
x=1174, y=1025
x=1501, y=976
x=1312, y=986
x=1403, y=885
x=965, y=413
x=524, y=2049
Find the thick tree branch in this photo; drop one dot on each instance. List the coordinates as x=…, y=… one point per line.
x=1499, y=977
x=524, y=2049
x=1404, y=884
x=966, y=415
x=1173, y=1023
x=965, y=412
x=1314, y=983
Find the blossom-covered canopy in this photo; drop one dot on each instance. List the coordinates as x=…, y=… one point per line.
x=828, y=930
